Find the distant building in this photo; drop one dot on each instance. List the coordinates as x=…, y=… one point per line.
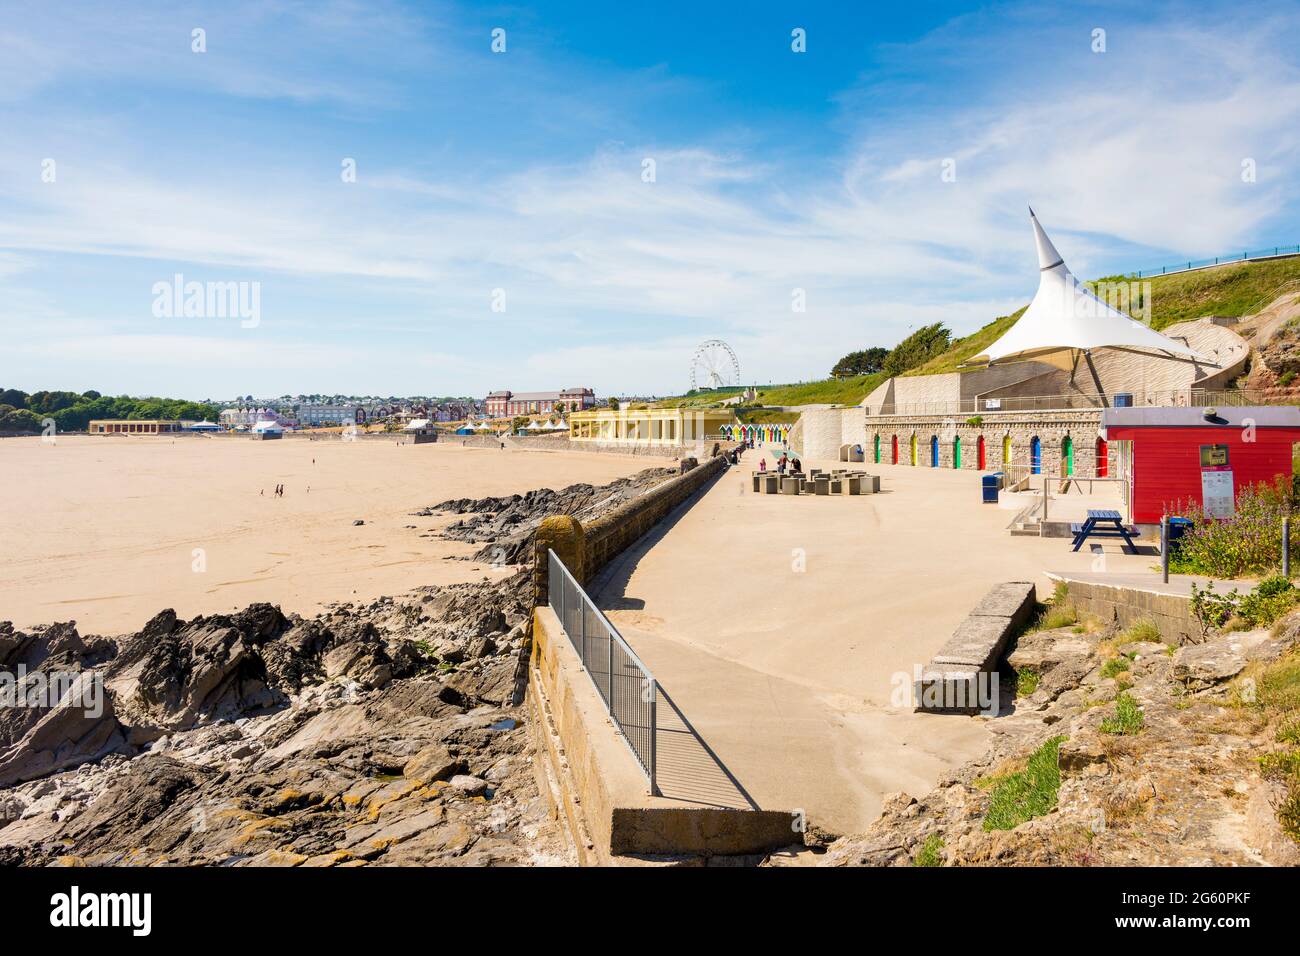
x=247, y=415
x=331, y=413
x=654, y=426
x=503, y=403
x=113, y=426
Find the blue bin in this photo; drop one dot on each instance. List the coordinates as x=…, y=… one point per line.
x=989, y=485
x=1177, y=528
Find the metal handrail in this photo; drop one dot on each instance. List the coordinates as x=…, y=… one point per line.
x=635, y=715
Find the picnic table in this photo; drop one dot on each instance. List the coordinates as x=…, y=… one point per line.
x=1102, y=523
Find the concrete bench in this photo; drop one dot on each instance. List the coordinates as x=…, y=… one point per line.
x=822, y=485
x=960, y=678
x=771, y=483
x=790, y=485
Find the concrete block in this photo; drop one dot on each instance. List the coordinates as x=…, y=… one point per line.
x=977, y=642
x=1014, y=600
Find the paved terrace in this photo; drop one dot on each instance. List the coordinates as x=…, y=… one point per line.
x=785, y=674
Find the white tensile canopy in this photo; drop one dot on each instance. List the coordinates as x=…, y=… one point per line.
x=1065, y=321
x=556, y=426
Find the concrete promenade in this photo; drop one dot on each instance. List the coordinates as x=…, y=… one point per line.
x=778, y=624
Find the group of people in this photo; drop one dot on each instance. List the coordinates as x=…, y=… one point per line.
x=794, y=465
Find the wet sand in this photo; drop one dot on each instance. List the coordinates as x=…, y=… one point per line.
x=107, y=531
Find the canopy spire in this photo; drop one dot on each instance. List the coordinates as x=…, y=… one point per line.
x=1048, y=257
x=1066, y=318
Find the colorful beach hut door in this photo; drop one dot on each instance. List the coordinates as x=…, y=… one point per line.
x=1067, y=455
x=1103, y=465
x=979, y=453
x=934, y=451
x=877, y=448
x=913, y=449
x=895, y=448
x=1035, y=456
x=1006, y=451
x=956, y=452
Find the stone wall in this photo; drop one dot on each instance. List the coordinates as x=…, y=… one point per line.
x=609, y=535
x=819, y=433
x=1126, y=605
x=1051, y=428
x=587, y=549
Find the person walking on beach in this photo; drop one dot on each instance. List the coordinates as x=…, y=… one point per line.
x=780, y=465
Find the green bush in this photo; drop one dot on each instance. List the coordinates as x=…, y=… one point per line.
x=1246, y=545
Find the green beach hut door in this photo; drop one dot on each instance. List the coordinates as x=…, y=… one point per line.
x=1067, y=455
x=956, y=452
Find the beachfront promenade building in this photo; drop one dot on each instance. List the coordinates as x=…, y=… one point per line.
x=654, y=426
x=1033, y=402
x=114, y=426
x=505, y=402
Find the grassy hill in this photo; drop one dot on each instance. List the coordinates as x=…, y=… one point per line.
x=1233, y=290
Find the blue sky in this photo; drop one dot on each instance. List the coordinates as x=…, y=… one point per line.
x=522, y=171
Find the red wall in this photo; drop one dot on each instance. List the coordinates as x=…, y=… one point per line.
x=1167, y=462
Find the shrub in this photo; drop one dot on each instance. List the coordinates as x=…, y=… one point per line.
x=1127, y=719
x=1260, y=607
x=1030, y=793
x=1249, y=543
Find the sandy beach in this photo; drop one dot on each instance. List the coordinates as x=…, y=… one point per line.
x=108, y=531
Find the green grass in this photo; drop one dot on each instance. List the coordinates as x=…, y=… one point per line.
x=968, y=347
x=1232, y=290
x=1026, y=681
x=1030, y=793
x=1144, y=631
x=928, y=855
x=1115, y=666
x=1127, y=719
x=1280, y=765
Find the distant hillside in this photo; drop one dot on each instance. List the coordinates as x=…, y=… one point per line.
x=1231, y=290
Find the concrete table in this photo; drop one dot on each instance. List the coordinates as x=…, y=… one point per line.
x=823, y=485
x=790, y=485
x=837, y=486
x=771, y=484
x=758, y=480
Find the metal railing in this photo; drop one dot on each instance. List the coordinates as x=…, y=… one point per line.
x=983, y=405
x=624, y=683
x=1271, y=252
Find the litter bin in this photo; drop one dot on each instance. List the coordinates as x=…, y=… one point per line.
x=989, y=485
x=1177, y=528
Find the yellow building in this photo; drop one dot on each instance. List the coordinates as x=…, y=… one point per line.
x=108, y=426
x=660, y=426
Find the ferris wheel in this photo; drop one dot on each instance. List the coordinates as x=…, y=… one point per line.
x=714, y=365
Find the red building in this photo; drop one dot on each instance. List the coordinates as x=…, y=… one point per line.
x=1202, y=455
x=503, y=403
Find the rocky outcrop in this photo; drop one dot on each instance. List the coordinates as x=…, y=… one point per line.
x=378, y=733
x=1181, y=787
x=505, y=525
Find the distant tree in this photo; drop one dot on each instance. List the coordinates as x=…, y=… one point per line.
x=917, y=349
x=863, y=362
x=13, y=398
x=519, y=422
x=90, y=395
x=613, y=403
